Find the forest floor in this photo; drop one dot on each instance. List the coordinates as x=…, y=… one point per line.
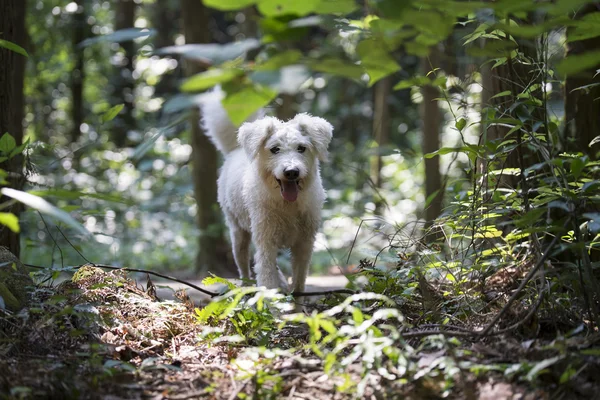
x=103, y=336
x=167, y=289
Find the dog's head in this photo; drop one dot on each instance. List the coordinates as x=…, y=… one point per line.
x=287, y=152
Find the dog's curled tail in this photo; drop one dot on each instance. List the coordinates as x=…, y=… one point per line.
x=216, y=123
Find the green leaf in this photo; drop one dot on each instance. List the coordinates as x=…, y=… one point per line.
x=14, y=47
x=211, y=53
x=228, y=5
x=585, y=28
x=210, y=78
x=393, y=9
x=44, y=207
x=19, y=149
x=119, y=36
x=272, y=8
x=577, y=166
x=501, y=94
x=434, y=25
x=414, y=81
x=591, y=352
x=280, y=60
x=590, y=187
x=336, y=7
x=181, y=102
x=243, y=103
x=66, y=194
x=376, y=60
x=576, y=63
x=213, y=280
x=112, y=113
x=460, y=124
x=541, y=366
x=448, y=150
x=567, y=375
x=338, y=67
x=431, y=197
x=7, y=143
x=10, y=220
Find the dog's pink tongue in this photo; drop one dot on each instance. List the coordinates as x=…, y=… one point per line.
x=289, y=190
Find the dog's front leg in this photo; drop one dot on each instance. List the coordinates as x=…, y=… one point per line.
x=240, y=240
x=301, y=255
x=267, y=273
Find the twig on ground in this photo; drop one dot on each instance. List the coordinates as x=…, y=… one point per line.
x=198, y=288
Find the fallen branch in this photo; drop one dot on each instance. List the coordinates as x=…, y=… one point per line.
x=196, y=287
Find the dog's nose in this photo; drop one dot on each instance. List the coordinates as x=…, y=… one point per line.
x=291, y=174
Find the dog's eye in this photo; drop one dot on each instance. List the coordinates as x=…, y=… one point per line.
x=275, y=150
x=301, y=149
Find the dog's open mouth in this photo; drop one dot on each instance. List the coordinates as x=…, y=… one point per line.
x=289, y=189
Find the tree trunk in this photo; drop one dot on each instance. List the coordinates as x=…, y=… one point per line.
x=214, y=254
x=381, y=133
x=78, y=74
x=12, y=69
x=286, y=110
x=513, y=76
x=124, y=84
x=163, y=20
x=582, y=107
x=432, y=117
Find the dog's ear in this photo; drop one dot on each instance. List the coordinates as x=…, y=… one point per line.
x=318, y=130
x=252, y=135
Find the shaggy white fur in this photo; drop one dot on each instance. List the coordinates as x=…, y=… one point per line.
x=270, y=187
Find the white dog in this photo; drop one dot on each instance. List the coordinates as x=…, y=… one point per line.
x=270, y=187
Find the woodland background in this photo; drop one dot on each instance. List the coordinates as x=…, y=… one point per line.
x=463, y=167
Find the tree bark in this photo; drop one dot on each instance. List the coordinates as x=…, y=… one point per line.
x=214, y=253
x=582, y=107
x=381, y=133
x=432, y=118
x=124, y=84
x=79, y=27
x=513, y=76
x=286, y=111
x=12, y=71
x=164, y=20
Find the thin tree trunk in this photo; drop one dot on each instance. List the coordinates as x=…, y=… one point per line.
x=78, y=73
x=12, y=68
x=163, y=20
x=432, y=117
x=214, y=253
x=582, y=107
x=124, y=85
x=286, y=110
x=381, y=133
x=514, y=76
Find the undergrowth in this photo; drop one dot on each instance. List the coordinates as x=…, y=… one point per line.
x=503, y=284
